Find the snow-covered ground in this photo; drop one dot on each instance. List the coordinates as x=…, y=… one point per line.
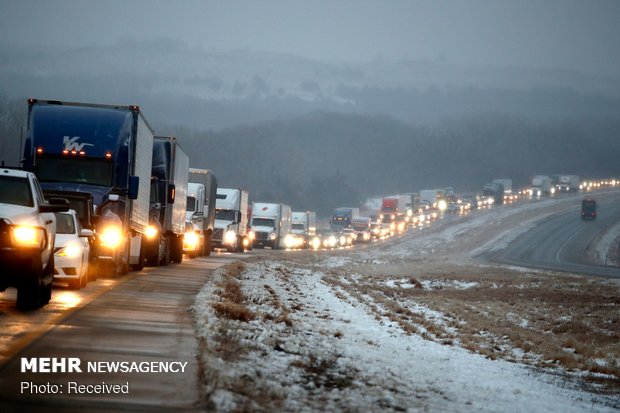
x=321, y=337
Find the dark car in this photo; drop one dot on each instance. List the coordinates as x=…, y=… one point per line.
x=589, y=208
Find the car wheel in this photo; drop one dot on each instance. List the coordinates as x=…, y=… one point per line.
x=28, y=295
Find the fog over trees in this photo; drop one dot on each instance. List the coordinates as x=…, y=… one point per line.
x=319, y=135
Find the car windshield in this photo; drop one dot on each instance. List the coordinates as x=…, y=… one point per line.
x=263, y=222
x=15, y=190
x=78, y=170
x=64, y=223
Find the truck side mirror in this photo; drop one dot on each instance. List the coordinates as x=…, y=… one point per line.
x=171, y=193
x=134, y=184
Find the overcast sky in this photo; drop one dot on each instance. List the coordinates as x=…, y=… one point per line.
x=582, y=35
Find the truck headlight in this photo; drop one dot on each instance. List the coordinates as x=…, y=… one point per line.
x=251, y=235
x=69, y=250
x=151, y=232
x=111, y=236
x=290, y=241
x=28, y=237
x=272, y=236
x=190, y=240
x=230, y=237
x=316, y=243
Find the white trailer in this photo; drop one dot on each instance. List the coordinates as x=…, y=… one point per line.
x=568, y=183
x=231, y=219
x=271, y=224
x=541, y=185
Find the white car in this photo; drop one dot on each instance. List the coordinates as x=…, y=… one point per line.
x=27, y=229
x=72, y=250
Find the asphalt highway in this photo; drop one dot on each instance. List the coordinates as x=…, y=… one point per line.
x=564, y=242
x=143, y=317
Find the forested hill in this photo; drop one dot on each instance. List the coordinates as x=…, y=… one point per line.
x=324, y=160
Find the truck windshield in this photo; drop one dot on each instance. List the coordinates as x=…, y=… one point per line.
x=263, y=222
x=225, y=214
x=191, y=204
x=75, y=170
x=64, y=224
x=15, y=191
x=299, y=226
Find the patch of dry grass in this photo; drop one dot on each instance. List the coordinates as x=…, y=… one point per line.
x=545, y=320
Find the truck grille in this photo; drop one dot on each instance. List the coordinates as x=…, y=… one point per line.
x=217, y=234
x=262, y=236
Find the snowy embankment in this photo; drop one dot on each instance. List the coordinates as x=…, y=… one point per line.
x=390, y=328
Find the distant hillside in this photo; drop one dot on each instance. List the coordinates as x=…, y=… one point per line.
x=324, y=160
x=179, y=85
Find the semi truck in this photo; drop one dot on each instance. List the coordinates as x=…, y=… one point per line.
x=303, y=224
x=430, y=198
x=200, y=213
x=231, y=219
x=506, y=183
x=493, y=193
x=271, y=224
x=394, y=208
x=568, y=183
x=541, y=185
x=168, y=200
x=343, y=217
x=103, y=150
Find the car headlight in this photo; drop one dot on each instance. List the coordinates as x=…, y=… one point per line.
x=111, y=236
x=290, y=241
x=316, y=243
x=70, y=250
x=151, y=232
x=190, y=240
x=230, y=237
x=28, y=237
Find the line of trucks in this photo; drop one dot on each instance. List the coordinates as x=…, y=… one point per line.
x=137, y=193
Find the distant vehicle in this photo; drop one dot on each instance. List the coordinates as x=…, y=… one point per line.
x=168, y=200
x=271, y=224
x=507, y=183
x=589, y=209
x=430, y=198
x=201, y=196
x=27, y=236
x=361, y=226
x=568, y=183
x=394, y=208
x=328, y=238
x=231, y=219
x=72, y=250
x=103, y=150
x=304, y=226
x=493, y=193
x=192, y=240
x=342, y=218
x=541, y=186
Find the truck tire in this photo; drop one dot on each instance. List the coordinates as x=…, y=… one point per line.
x=152, y=260
x=207, y=245
x=176, y=250
x=164, y=257
x=140, y=265
x=28, y=295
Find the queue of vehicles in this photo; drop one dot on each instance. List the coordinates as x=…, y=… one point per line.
x=121, y=198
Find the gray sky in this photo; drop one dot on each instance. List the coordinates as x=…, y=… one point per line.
x=582, y=35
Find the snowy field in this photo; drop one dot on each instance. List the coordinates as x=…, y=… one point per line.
x=408, y=324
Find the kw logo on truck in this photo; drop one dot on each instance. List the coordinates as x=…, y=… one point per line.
x=71, y=144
